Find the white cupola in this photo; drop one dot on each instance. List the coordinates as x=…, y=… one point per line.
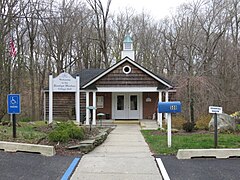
x=128, y=48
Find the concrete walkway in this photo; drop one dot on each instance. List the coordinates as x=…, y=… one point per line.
x=123, y=156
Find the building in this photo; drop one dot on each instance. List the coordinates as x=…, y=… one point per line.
x=126, y=91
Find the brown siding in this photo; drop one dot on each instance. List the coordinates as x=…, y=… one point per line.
x=107, y=107
x=149, y=108
x=64, y=105
x=136, y=78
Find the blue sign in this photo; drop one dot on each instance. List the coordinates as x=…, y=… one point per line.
x=169, y=107
x=13, y=103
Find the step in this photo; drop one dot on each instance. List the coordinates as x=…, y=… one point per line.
x=126, y=122
x=217, y=153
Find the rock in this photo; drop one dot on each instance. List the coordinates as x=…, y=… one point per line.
x=74, y=147
x=86, y=148
x=224, y=123
x=175, y=130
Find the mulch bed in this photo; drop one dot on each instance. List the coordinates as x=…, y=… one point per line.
x=62, y=148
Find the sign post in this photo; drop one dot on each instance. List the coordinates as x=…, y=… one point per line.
x=168, y=108
x=64, y=82
x=14, y=107
x=215, y=110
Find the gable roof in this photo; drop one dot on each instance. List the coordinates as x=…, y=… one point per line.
x=87, y=75
x=127, y=59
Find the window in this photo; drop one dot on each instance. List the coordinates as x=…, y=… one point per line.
x=120, y=102
x=100, y=101
x=128, y=46
x=127, y=69
x=133, y=102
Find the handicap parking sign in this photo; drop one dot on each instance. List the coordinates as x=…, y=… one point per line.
x=13, y=104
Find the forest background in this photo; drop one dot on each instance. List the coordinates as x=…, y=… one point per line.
x=196, y=48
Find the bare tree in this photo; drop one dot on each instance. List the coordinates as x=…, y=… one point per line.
x=101, y=17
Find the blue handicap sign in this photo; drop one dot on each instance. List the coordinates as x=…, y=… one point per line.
x=14, y=104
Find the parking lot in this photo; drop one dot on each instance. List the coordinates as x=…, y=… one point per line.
x=29, y=166
x=202, y=168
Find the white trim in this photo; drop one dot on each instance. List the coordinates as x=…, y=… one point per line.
x=44, y=106
x=94, y=109
x=87, y=110
x=50, y=111
x=127, y=72
x=159, y=114
x=132, y=62
x=127, y=89
x=77, y=100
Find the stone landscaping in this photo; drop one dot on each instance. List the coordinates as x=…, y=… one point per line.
x=88, y=145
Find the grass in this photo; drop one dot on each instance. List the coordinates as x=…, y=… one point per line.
x=158, y=142
x=25, y=133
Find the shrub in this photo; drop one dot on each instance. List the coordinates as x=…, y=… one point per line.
x=188, y=126
x=66, y=131
x=203, y=121
x=177, y=122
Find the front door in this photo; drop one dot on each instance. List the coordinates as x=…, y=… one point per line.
x=127, y=105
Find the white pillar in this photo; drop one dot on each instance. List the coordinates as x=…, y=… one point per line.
x=50, y=118
x=160, y=114
x=94, y=108
x=87, y=110
x=166, y=100
x=169, y=131
x=77, y=99
x=44, y=106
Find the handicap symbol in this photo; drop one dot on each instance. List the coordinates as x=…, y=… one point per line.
x=13, y=101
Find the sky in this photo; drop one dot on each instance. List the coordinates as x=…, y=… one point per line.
x=156, y=8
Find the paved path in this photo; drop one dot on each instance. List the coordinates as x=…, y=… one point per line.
x=123, y=156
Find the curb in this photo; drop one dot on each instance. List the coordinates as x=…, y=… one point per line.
x=70, y=169
x=218, y=153
x=23, y=147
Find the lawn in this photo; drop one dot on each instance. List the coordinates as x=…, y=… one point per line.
x=157, y=141
x=26, y=132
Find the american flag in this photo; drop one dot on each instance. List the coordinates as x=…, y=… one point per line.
x=12, y=49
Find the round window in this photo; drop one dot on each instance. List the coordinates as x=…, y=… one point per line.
x=127, y=69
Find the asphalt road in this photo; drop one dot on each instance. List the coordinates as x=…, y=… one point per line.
x=202, y=169
x=28, y=166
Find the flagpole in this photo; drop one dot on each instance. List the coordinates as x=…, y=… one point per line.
x=13, y=54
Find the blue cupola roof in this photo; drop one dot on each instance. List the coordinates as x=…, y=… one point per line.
x=127, y=39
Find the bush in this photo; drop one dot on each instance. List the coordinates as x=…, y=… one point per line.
x=66, y=131
x=177, y=122
x=203, y=121
x=188, y=126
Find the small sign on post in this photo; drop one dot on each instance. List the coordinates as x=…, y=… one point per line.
x=169, y=107
x=215, y=110
x=14, y=107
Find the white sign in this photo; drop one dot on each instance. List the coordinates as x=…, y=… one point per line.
x=64, y=82
x=215, y=109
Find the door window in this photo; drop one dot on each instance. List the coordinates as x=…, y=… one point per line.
x=133, y=102
x=120, y=102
